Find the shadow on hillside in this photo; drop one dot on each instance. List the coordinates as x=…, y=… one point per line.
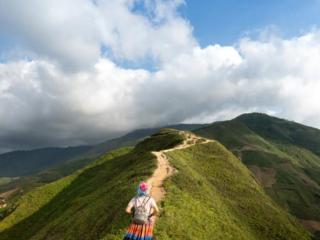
x=91, y=206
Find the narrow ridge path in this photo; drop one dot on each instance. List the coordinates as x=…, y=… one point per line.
x=164, y=169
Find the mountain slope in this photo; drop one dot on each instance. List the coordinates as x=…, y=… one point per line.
x=282, y=130
x=214, y=191
x=89, y=203
x=282, y=155
x=212, y=196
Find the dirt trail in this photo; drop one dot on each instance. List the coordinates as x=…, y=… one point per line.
x=164, y=169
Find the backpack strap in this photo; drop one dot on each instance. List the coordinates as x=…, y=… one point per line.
x=143, y=203
x=149, y=208
x=144, y=200
x=146, y=203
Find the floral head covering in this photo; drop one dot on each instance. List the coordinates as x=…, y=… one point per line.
x=143, y=189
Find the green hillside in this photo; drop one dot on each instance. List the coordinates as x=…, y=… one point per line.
x=215, y=191
x=88, y=204
x=282, y=130
x=283, y=155
x=212, y=196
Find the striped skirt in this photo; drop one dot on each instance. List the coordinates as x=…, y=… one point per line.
x=139, y=232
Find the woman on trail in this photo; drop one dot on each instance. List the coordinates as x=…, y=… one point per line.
x=144, y=211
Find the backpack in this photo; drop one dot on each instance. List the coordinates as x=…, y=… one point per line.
x=141, y=214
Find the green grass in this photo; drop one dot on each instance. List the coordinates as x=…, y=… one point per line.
x=75, y=202
x=88, y=204
x=40, y=208
x=266, y=159
x=286, y=147
x=282, y=130
x=165, y=139
x=233, y=134
x=214, y=196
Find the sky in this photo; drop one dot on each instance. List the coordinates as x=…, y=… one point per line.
x=225, y=21
x=81, y=71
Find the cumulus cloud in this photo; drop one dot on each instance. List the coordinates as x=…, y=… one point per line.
x=41, y=103
x=71, y=93
x=72, y=33
x=63, y=31
x=131, y=36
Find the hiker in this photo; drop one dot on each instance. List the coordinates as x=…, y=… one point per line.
x=144, y=212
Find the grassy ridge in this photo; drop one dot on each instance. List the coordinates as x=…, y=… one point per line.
x=281, y=130
x=214, y=196
x=88, y=204
x=275, y=145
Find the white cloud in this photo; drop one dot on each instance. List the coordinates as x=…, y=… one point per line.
x=63, y=31
x=71, y=33
x=42, y=102
x=135, y=36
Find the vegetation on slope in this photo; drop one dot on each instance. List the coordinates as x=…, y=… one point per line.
x=281, y=154
x=283, y=131
x=90, y=203
x=214, y=196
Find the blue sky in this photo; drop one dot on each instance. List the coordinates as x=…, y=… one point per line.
x=225, y=21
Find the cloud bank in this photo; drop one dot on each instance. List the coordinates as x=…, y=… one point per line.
x=67, y=80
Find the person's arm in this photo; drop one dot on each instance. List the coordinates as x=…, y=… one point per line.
x=129, y=210
x=155, y=209
x=129, y=207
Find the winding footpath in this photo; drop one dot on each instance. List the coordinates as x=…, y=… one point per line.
x=164, y=169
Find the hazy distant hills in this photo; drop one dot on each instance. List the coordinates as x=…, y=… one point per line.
x=283, y=155
x=21, y=163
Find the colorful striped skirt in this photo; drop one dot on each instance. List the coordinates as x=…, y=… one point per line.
x=139, y=232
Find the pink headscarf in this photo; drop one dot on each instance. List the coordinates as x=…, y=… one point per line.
x=144, y=186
